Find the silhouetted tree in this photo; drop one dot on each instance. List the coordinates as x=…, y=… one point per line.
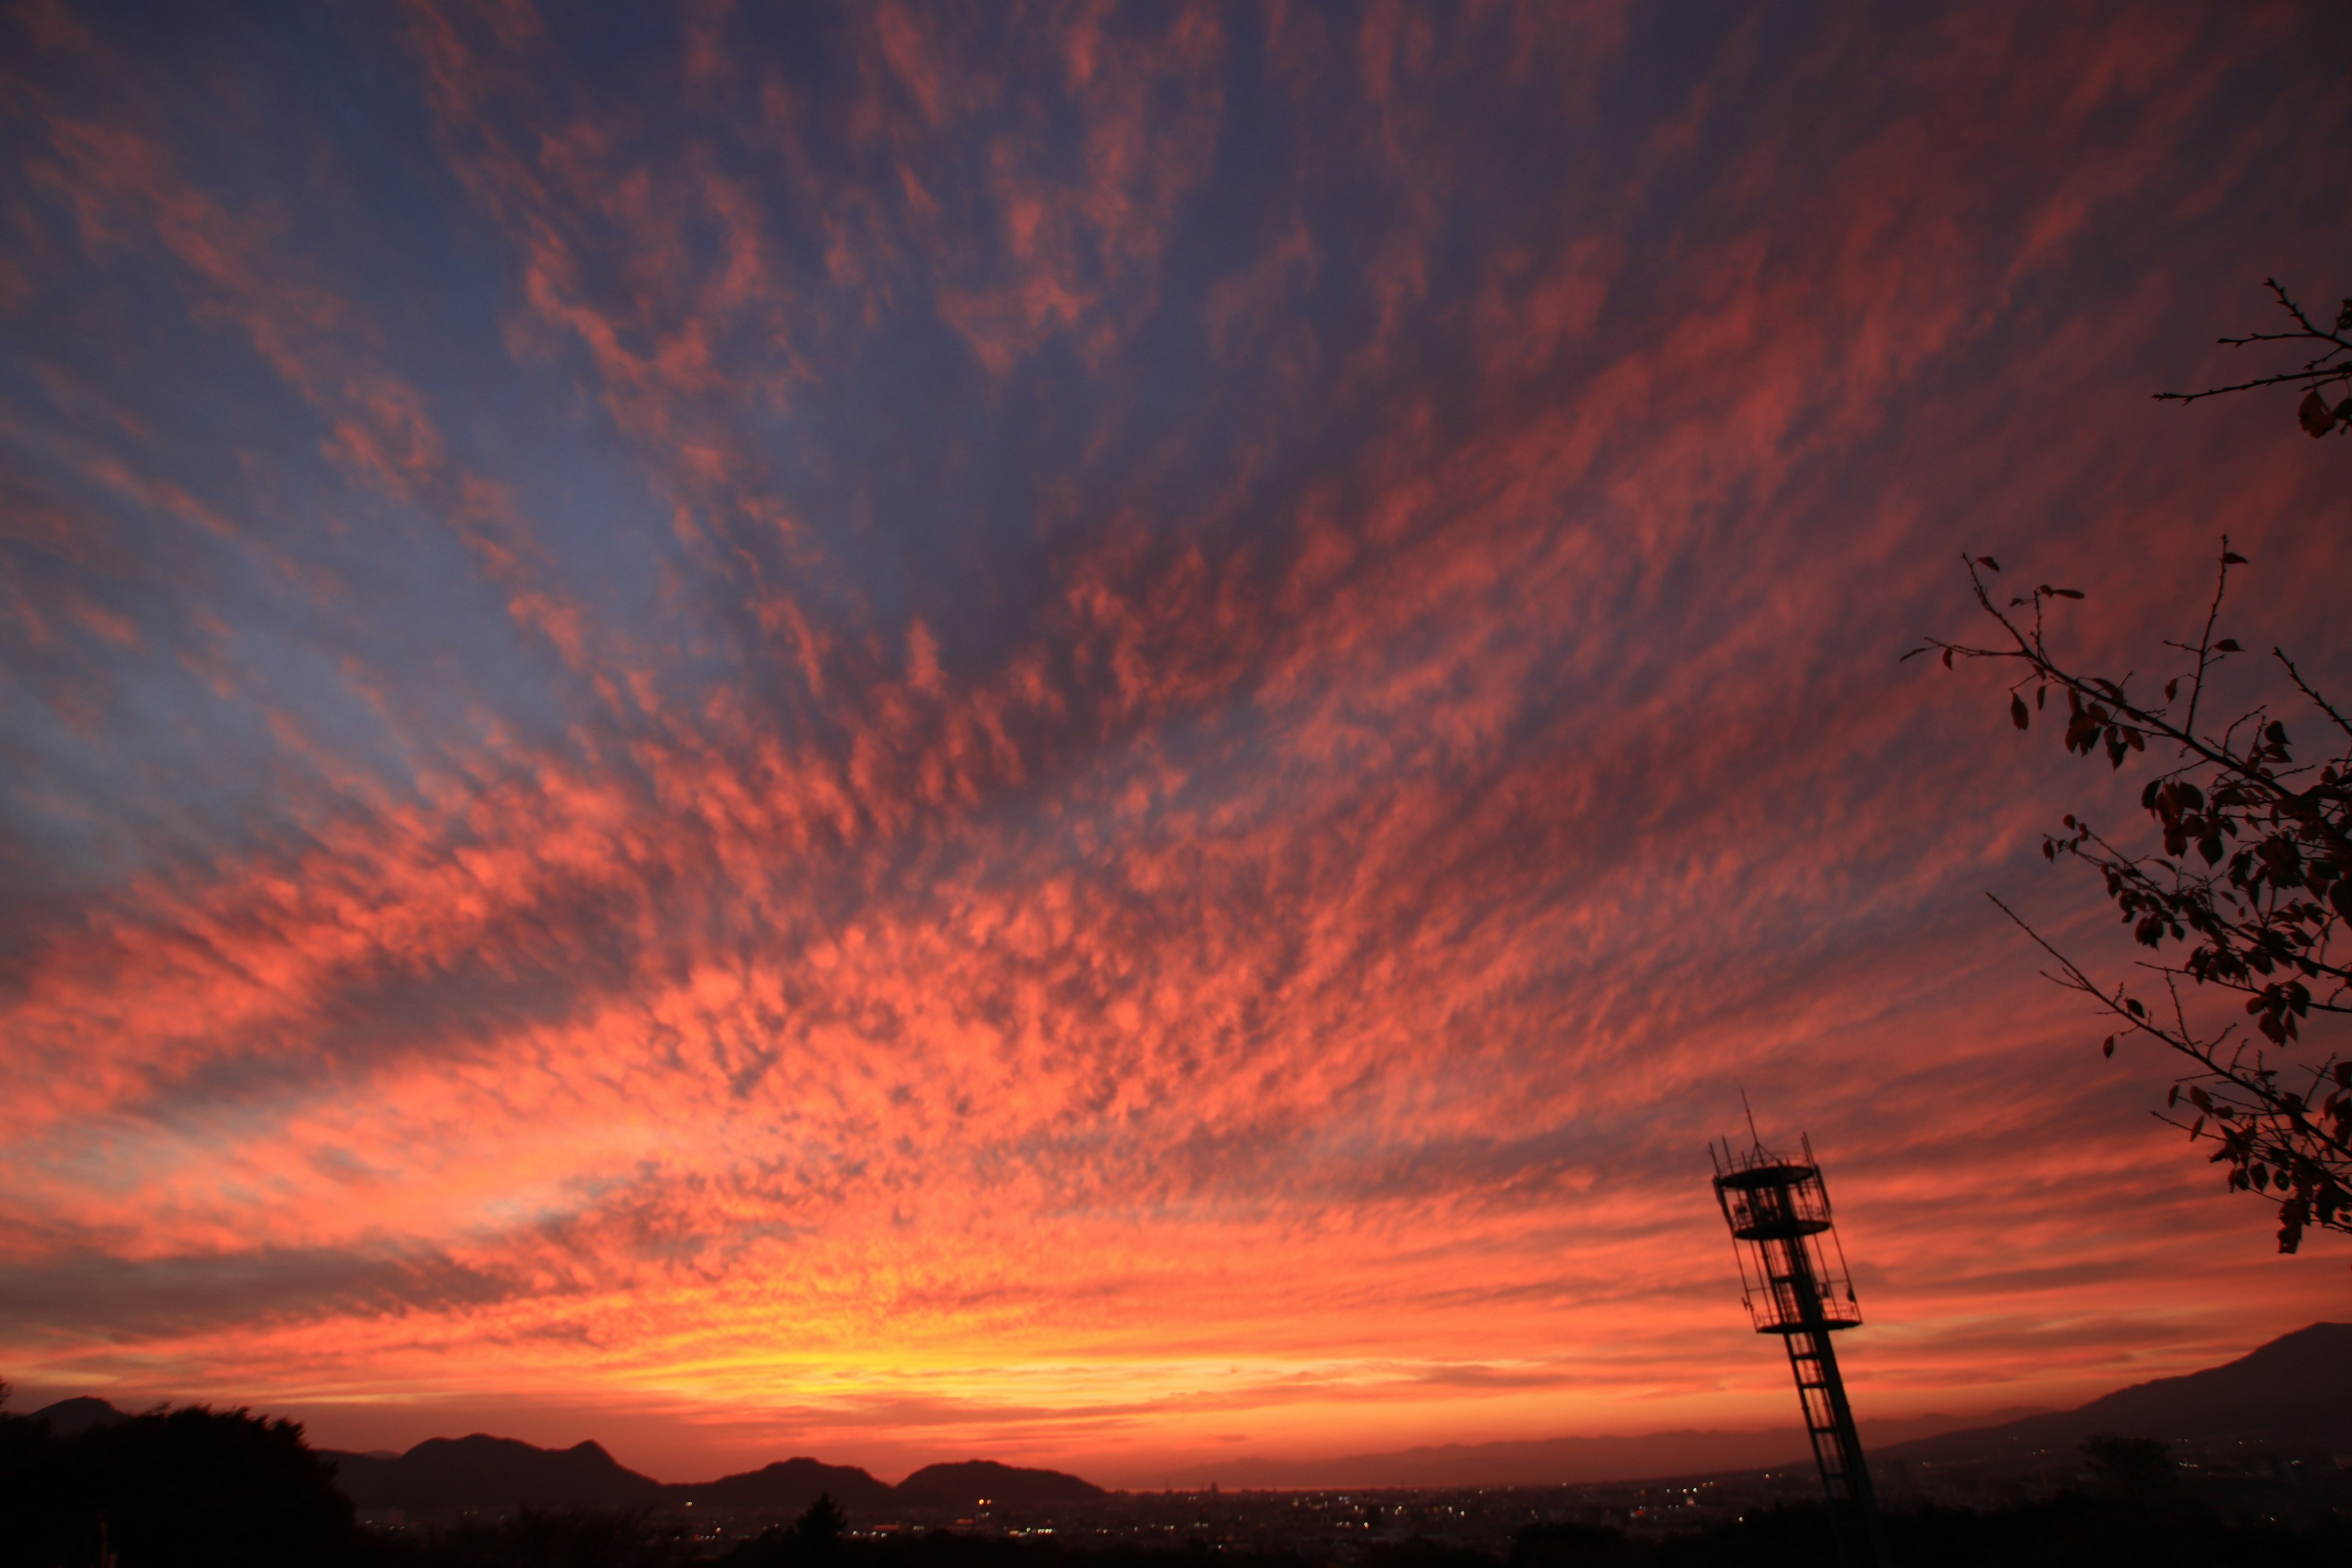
x=823, y=1523
x=194, y=1487
x=2251, y=893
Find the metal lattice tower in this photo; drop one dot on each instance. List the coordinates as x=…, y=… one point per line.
x=1778, y=1211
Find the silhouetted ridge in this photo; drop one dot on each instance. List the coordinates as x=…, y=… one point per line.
x=789, y=1486
x=482, y=1471
x=965, y=1485
x=2299, y=1383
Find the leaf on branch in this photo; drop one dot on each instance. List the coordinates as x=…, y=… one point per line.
x=2172, y=688
x=2109, y=1048
x=1948, y=658
x=2227, y=645
x=2314, y=415
x=2063, y=593
x=2017, y=712
x=1989, y=561
x=2232, y=558
x=2131, y=1006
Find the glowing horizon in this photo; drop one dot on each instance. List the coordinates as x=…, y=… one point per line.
x=1095, y=744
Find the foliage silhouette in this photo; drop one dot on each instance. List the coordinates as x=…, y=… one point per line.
x=822, y=1525
x=192, y=1486
x=2250, y=895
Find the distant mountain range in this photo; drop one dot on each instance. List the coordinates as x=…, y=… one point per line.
x=444, y=1473
x=2296, y=1387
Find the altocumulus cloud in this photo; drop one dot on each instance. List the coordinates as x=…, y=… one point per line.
x=1082, y=733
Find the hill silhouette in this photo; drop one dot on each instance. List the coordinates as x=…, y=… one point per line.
x=2297, y=1386
x=973, y=1482
x=486, y=1472
x=482, y=1471
x=789, y=1486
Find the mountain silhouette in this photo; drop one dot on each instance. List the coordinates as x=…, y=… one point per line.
x=2298, y=1386
x=974, y=1481
x=789, y=1486
x=482, y=1471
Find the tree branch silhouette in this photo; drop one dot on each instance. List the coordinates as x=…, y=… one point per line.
x=2263, y=917
x=2331, y=364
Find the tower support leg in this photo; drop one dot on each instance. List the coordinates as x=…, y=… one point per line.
x=1837, y=1448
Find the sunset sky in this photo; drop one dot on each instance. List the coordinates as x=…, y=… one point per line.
x=1101, y=735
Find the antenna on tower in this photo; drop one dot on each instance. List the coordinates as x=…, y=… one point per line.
x=1778, y=1211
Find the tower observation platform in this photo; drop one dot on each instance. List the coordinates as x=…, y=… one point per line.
x=1794, y=1282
